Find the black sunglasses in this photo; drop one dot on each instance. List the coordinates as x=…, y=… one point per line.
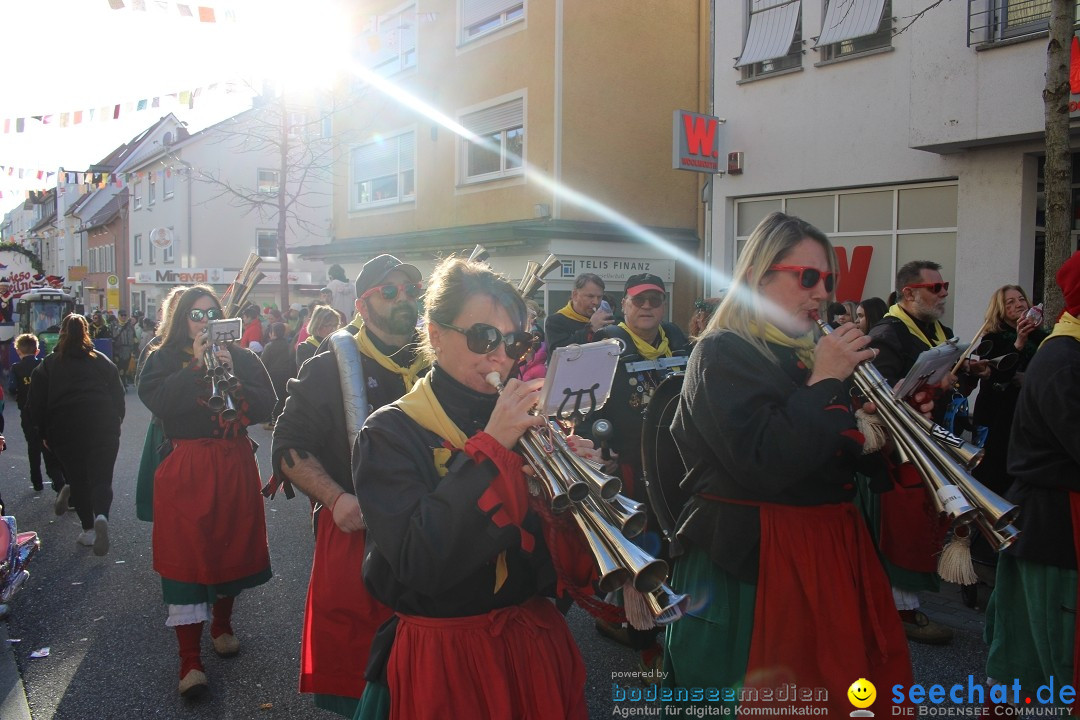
x=482, y=339
x=211, y=314
x=389, y=292
x=810, y=276
x=653, y=299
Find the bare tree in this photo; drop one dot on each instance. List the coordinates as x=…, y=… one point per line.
x=1058, y=173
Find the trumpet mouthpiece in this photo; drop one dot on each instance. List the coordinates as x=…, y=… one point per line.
x=494, y=379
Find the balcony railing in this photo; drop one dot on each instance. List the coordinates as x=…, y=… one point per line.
x=991, y=21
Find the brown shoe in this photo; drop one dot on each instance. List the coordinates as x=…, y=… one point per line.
x=926, y=631
x=226, y=645
x=193, y=685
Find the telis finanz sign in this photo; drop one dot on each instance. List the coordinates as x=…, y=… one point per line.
x=695, y=142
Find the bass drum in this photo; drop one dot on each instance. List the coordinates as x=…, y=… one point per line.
x=661, y=461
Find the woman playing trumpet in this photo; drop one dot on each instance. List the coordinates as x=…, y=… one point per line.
x=453, y=545
x=209, y=538
x=771, y=537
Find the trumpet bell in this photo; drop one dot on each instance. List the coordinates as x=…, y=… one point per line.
x=479, y=254
x=666, y=605
x=625, y=514
x=648, y=572
x=999, y=539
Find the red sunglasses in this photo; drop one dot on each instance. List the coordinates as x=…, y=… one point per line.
x=809, y=276
x=932, y=287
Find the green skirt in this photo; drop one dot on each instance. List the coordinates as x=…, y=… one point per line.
x=375, y=704
x=343, y=706
x=710, y=646
x=1031, y=623
x=184, y=593
x=148, y=465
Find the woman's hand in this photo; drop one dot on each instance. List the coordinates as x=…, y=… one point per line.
x=511, y=417
x=1023, y=329
x=224, y=357
x=838, y=353
x=583, y=447
x=198, y=346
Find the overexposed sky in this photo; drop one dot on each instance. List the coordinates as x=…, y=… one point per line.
x=68, y=55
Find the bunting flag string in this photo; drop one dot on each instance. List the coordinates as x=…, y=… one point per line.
x=203, y=13
x=113, y=111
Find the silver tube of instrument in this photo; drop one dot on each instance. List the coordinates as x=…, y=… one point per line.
x=648, y=572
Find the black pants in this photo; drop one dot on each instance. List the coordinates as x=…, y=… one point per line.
x=89, y=471
x=35, y=452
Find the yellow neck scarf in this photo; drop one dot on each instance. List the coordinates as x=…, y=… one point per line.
x=900, y=314
x=803, y=345
x=646, y=350
x=571, y=313
x=367, y=347
x=312, y=340
x=1066, y=326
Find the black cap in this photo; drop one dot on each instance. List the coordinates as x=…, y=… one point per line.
x=137, y=313
x=376, y=269
x=641, y=283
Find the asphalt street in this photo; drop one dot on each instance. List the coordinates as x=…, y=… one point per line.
x=111, y=656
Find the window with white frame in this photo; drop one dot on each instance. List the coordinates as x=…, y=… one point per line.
x=854, y=26
x=384, y=172
x=167, y=253
x=268, y=182
x=168, y=184
x=480, y=17
x=136, y=255
x=297, y=123
x=266, y=241
x=874, y=230
x=136, y=192
x=151, y=188
x=92, y=265
x=110, y=258
x=389, y=45
x=500, y=148
x=773, y=40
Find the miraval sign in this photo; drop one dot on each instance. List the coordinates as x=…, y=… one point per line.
x=695, y=142
x=213, y=276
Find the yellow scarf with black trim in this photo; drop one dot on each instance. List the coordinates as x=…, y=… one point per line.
x=803, y=345
x=646, y=350
x=900, y=314
x=423, y=408
x=312, y=340
x=367, y=347
x=571, y=313
x=1066, y=326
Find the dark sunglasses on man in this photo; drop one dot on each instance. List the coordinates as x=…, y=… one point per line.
x=809, y=277
x=482, y=339
x=391, y=291
x=211, y=314
x=649, y=299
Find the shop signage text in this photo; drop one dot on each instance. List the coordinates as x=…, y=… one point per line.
x=696, y=141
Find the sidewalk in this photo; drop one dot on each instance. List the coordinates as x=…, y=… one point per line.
x=13, y=704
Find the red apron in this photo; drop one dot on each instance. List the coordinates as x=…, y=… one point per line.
x=341, y=616
x=911, y=533
x=824, y=615
x=209, y=522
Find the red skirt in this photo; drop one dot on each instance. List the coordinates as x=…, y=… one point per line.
x=824, y=614
x=209, y=522
x=516, y=663
x=341, y=616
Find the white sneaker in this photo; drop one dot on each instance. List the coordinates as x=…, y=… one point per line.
x=86, y=537
x=101, y=535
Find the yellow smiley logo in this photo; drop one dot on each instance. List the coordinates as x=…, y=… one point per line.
x=862, y=693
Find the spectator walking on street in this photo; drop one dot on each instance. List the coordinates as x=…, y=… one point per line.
x=26, y=346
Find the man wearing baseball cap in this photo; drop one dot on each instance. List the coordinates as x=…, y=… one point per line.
x=652, y=349
x=312, y=451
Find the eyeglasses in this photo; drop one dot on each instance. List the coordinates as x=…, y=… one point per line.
x=932, y=287
x=211, y=314
x=650, y=299
x=389, y=292
x=482, y=339
x=810, y=276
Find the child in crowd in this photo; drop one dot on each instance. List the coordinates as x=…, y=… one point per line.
x=26, y=345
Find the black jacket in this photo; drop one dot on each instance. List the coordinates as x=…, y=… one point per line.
x=560, y=331
x=76, y=399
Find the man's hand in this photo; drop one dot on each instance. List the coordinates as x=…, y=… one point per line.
x=601, y=318
x=347, y=516
x=978, y=368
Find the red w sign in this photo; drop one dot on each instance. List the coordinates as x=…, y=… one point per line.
x=853, y=275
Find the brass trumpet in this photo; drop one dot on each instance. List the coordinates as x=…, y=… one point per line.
x=936, y=453
x=222, y=385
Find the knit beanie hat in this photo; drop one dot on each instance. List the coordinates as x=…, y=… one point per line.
x=1068, y=279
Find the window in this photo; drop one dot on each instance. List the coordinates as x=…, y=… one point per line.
x=110, y=258
x=1006, y=19
x=167, y=253
x=773, y=38
x=152, y=191
x=383, y=172
x=297, y=124
x=137, y=255
x=390, y=46
x=168, y=184
x=854, y=26
x=267, y=243
x=136, y=191
x=501, y=148
x=480, y=17
x=268, y=182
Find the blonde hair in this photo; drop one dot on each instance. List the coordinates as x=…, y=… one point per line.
x=995, y=311
x=742, y=311
x=320, y=316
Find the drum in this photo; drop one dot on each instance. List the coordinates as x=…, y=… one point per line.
x=661, y=461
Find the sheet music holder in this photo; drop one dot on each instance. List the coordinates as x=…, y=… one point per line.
x=223, y=332
x=579, y=379
x=930, y=368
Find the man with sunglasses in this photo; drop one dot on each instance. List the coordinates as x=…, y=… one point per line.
x=582, y=317
x=909, y=538
x=312, y=451
x=652, y=349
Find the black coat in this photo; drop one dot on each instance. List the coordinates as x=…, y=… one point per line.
x=75, y=400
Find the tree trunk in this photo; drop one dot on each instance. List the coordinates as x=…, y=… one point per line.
x=282, y=219
x=1058, y=173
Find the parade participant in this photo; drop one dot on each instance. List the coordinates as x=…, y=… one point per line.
x=124, y=344
x=905, y=524
x=324, y=320
x=209, y=538
x=699, y=319
x=771, y=535
x=280, y=362
x=343, y=293
x=453, y=544
x=77, y=408
x=99, y=329
x=582, y=317
x=1030, y=620
x=869, y=312
x=312, y=451
x=26, y=346
x=252, y=326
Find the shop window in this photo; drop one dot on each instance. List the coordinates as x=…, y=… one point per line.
x=854, y=26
